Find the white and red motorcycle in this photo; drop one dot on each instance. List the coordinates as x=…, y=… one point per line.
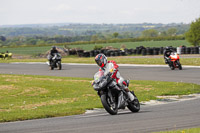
x=174, y=61
x=112, y=96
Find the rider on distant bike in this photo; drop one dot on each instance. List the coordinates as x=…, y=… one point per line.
x=51, y=54
x=167, y=53
x=111, y=66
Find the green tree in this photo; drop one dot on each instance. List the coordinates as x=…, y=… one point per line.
x=2, y=38
x=94, y=38
x=163, y=33
x=193, y=35
x=115, y=34
x=150, y=33
x=172, y=32
x=1, y=43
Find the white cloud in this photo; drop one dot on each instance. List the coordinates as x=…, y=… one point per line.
x=98, y=11
x=61, y=7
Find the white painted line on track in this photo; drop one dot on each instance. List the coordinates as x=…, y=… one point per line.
x=88, y=115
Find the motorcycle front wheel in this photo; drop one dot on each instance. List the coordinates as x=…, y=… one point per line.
x=171, y=66
x=179, y=65
x=134, y=106
x=107, y=105
x=59, y=65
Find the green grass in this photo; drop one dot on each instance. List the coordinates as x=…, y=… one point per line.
x=43, y=49
x=27, y=50
x=174, y=43
x=190, y=130
x=120, y=60
x=25, y=97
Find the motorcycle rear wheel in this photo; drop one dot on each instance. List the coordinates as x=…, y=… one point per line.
x=134, y=106
x=106, y=104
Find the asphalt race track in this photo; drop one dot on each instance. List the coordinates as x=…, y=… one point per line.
x=170, y=116
x=133, y=72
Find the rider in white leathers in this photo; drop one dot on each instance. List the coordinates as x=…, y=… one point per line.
x=112, y=67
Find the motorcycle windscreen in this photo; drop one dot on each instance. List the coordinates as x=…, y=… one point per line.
x=98, y=76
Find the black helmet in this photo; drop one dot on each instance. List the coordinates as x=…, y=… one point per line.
x=53, y=47
x=168, y=48
x=101, y=60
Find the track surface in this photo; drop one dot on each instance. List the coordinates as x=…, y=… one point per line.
x=162, y=73
x=169, y=116
x=150, y=118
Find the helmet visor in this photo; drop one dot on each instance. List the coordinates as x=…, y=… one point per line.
x=99, y=63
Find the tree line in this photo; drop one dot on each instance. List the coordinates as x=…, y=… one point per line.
x=73, y=34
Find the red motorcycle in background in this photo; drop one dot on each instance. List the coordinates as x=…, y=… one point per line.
x=174, y=61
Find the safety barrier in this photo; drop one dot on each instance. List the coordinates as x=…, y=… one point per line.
x=138, y=51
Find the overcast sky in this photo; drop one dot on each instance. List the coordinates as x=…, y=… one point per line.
x=98, y=11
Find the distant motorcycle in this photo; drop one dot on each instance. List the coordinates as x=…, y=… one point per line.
x=174, y=61
x=112, y=96
x=55, y=61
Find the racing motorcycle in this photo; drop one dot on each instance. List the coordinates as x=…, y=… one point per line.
x=55, y=61
x=112, y=96
x=174, y=61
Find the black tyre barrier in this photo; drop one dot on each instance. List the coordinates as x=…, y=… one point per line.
x=112, y=53
x=149, y=51
x=72, y=52
x=183, y=50
x=116, y=53
x=139, y=50
x=196, y=50
x=192, y=50
x=155, y=51
x=108, y=53
x=86, y=54
x=144, y=52
x=92, y=53
x=199, y=50
x=80, y=53
x=123, y=53
x=130, y=51
x=161, y=50
x=188, y=49
x=134, y=51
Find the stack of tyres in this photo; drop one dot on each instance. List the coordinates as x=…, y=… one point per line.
x=72, y=52
x=122, y=53
x=196, y=50
x=183, y=50
x=144, y=52
x=188, y=49
x=86, y=54
x=161, y=50
x=108, y=53
x=92, y=53
x=155, y=51
x=199, y=50
x=112, y=53
x=80, y=53
x=134, y=51
x=149, y=51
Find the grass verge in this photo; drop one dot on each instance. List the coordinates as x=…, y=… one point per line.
x=157, y=60
x=35, y=50
x=190, y=130
x=25, y=97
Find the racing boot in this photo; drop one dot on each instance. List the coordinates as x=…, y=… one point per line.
x=130, y=95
